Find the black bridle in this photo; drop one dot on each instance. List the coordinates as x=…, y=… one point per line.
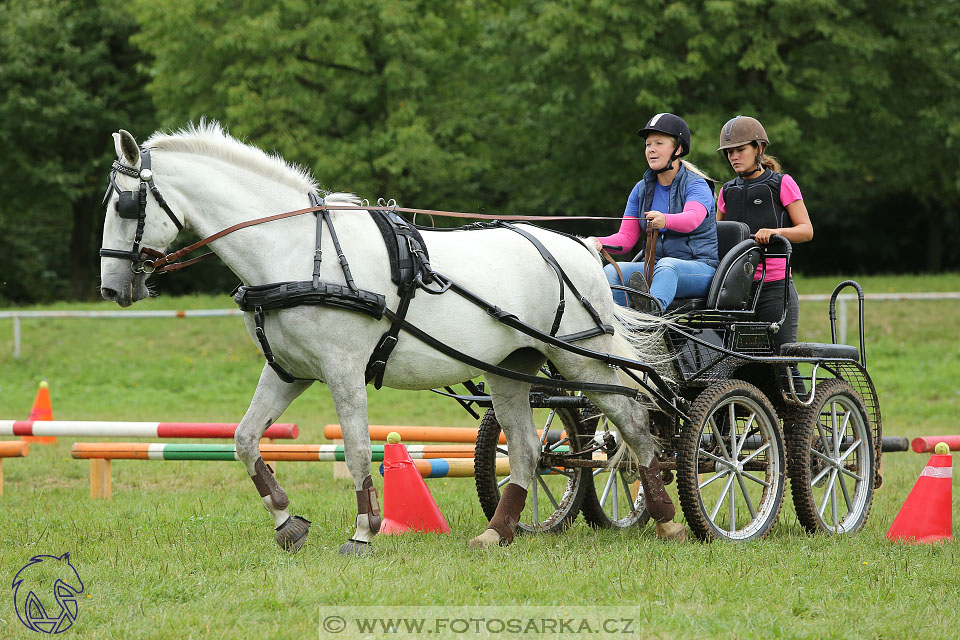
x=132, y=205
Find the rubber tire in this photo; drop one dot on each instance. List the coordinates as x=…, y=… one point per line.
x=801, y=430
x=485, y=475
x=695, y=512
x=591, y=509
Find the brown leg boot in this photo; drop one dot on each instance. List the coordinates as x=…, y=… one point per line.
x=658, y=503
x=503, y=524
x=267, y=485
x=366, y=505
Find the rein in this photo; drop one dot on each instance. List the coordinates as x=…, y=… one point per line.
x=169, y=262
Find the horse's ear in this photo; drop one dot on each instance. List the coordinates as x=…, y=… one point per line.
x=127, y=147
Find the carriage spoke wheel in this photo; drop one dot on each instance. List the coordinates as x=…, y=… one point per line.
x=730, y=464
x=555, y=494
x=831, y=460
x=611, y=498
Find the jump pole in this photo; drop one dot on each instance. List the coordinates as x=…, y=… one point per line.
x=457, y=460
x=379, y=432
x=11, y=449
x=926, y=444
x=452, y=467
x=102, y=429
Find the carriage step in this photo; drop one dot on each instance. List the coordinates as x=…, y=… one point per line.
x=820, y=350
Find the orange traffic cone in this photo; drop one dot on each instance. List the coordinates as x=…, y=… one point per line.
x=42, y=410
x=407, y=503
x=927, y=515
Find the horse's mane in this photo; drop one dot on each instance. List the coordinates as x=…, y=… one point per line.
x=210, y=139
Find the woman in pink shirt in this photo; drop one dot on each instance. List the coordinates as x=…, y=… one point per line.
x=769, y=202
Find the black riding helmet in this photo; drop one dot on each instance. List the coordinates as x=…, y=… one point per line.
x=670, y=125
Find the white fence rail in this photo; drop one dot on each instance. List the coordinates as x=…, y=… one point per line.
x=842, y=303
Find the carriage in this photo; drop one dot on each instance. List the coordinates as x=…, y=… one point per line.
x=740, y=419
x=703, y=393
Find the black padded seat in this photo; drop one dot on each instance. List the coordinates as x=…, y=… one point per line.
x=820, y=350
x=732, y=284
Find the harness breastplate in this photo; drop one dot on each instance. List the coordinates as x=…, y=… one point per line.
x=756, y=202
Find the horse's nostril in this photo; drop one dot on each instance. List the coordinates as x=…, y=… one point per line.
x=108, y=294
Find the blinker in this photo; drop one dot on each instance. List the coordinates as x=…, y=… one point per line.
x=128, y=206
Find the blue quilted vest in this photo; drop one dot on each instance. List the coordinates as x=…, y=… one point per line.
x=701, y=243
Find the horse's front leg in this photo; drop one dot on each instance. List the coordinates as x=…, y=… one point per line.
x=350, y=401
x=270, y=400
x=511, y=402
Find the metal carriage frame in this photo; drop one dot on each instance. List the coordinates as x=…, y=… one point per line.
x=738, y=413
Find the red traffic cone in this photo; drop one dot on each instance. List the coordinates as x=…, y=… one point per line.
x=927, y=515
x=407, y=503
x=42, y=410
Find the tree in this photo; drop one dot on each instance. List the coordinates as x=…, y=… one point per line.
x=70, y=77
x=369, y=94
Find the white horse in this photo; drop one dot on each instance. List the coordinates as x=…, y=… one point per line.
x=211, y=181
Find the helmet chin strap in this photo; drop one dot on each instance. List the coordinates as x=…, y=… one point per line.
x=669, y=165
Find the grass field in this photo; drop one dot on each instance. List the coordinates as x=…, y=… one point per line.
x=184, y=549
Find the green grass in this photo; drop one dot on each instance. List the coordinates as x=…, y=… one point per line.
x=185, y=550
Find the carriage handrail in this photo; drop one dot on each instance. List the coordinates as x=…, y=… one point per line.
x=833, y=315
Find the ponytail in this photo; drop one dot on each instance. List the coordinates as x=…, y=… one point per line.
x=695, y=169
x=771, y=162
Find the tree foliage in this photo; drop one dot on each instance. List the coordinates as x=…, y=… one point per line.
x=69, y=77
x=501, y=106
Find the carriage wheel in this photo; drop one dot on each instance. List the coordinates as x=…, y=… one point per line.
x=554, y=496
x=613, y=499
x=730, y=465
x=831, y=460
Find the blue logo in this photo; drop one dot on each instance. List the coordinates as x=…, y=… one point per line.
x=45, y=593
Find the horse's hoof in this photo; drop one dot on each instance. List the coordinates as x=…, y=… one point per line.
x=292, y=533
x=355, y=548
x=488, y=538
x=671, y=531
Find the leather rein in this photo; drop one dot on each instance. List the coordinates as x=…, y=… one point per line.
x=169, y=262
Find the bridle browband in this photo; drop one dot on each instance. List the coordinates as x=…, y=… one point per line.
x=132, y=205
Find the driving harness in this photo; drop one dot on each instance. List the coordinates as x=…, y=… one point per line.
x=410, y=271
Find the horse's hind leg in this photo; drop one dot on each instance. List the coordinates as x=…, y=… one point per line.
x=633, y=421
x=270, y=400
x=511, y=401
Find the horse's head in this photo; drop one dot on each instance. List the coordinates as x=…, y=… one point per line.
x=139, y=224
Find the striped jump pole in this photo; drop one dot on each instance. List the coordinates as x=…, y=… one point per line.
x=101, y=429
x=452, y=468
x=11, y=449
x=379, y=432
x=458, y=459
x=290, y=452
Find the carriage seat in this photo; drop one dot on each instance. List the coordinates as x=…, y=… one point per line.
x=732, y=284
x=820, y=350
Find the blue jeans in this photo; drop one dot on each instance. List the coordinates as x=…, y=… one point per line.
x=672, y=278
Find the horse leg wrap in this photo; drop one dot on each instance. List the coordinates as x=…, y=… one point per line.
x=507, y=515
x=367, y=503
x=292, y=533
x=655, y=498
x=267, y=485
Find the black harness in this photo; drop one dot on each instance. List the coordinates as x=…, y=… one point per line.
x=410, y=271
x=132, y=205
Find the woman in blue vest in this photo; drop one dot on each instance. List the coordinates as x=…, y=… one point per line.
x=674, y=198
x=769, y=202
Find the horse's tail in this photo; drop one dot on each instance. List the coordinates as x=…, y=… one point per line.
x=640, y=336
